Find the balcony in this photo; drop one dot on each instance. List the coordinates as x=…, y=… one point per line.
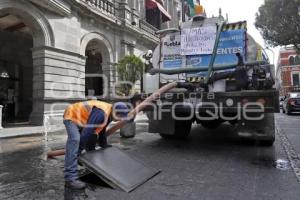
x=110, y=10
x=102, y=6
x=145, y=26
x=295, y=88
x=284, y=90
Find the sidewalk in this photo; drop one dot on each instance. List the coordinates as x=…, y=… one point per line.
x=29, y=130
x=288, y=127
x=32, y=130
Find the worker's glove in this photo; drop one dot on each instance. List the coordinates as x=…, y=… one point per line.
x=102, y=139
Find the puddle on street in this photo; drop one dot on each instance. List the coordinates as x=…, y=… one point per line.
x=125, y=143
x=280, y=164
x=25, y=175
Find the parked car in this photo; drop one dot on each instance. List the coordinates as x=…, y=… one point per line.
x=291, y=103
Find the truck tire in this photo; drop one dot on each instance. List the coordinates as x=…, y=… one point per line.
x=182, y=130
x=267, y=143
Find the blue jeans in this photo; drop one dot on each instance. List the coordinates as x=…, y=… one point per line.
x=73, y=148
x=87, y=140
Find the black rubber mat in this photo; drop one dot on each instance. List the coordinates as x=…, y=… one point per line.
x=117, y=169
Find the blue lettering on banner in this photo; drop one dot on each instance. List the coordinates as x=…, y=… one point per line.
x=231, y=42
x=172, y=63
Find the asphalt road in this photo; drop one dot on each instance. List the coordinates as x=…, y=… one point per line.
x=211, y=164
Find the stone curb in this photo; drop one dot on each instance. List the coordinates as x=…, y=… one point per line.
x=36, y=130
x=290, y=151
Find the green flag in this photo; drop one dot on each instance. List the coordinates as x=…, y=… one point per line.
x=192, y=7
x=191, y=3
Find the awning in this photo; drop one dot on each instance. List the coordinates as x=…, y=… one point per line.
x=151, y=4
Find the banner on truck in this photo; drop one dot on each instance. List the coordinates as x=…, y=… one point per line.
x=231, y=42
x=198, y=41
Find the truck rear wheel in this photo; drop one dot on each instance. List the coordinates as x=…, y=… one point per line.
x=267, y=143
x=182, y=130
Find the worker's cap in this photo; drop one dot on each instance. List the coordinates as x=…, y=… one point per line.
x=121, y=109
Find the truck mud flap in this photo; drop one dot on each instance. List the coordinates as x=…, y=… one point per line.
x=117, y=169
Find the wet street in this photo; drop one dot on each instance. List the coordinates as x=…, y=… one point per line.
x=211, y=164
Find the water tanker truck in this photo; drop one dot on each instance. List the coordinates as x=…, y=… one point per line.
x=223, y=76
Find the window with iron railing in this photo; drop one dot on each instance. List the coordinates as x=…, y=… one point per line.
x=294, y=60
x=145, y=26
x=296, y=78
x=153, y=13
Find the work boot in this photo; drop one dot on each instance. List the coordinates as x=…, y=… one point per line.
x=103, y=146
x=75, y=184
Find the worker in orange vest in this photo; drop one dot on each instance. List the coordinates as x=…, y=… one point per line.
x=86, y=123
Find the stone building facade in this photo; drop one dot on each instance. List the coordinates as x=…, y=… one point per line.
x=288, y=71
x=50, y=51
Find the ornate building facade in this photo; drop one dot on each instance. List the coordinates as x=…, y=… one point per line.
x=51, y=50
x=288, y=71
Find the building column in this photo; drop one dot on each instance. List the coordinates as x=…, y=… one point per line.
x=58, y=80
x=1, y=107
x=142, y=9
x=124, y=1
x=125, y=12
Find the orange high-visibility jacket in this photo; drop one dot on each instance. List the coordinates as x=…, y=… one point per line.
x=79, y=112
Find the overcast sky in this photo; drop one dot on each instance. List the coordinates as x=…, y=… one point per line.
x=239, y=10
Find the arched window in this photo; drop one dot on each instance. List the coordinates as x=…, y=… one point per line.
x=291, y=60
x=297, y=60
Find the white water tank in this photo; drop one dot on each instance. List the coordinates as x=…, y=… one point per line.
x=150, y=83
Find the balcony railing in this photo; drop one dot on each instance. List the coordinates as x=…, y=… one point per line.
x=109, y=7
x=286, y=89
x=148, y=27
x=106, y=6
x=295, y=88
